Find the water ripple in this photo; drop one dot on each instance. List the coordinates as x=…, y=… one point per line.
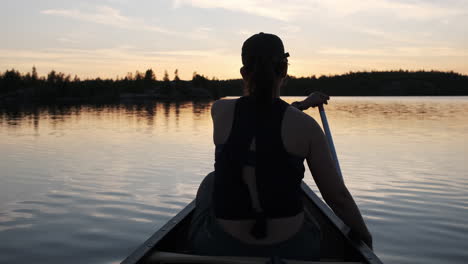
x=88, y=184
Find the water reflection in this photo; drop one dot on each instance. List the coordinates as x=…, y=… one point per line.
x=391, y=109
x=92, y=182
x=21, y=115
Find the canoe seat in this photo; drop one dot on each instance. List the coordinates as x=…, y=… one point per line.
x=170, y=257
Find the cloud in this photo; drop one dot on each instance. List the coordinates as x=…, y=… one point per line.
x=202, y=33
x=279, y=10
x=304, y=9
x=121, y=53
x=417, y=10
x=114, y=61
x=395, y=37
x=67, y=40
x=291, y=29
x=106, y=15
x=191, y=53
x=244, y=32
x=402, y=51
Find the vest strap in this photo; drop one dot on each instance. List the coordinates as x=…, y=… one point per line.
x=259, y=229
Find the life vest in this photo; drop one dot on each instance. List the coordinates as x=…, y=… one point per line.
x=278, y=174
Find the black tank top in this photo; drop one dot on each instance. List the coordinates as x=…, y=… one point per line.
x=278, y=174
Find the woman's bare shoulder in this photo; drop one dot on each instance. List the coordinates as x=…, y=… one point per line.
x=298, y=119
x=222, y=106
x=222, y=113
x=224, y=102
x=299, y=131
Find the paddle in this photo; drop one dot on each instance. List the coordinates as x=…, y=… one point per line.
x=328, y=134
x=317, y=99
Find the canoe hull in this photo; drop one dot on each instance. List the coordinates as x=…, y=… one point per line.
x=336, y=245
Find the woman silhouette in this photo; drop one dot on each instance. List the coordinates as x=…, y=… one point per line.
x=252, y=204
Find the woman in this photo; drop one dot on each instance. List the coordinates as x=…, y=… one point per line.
x=251, y=205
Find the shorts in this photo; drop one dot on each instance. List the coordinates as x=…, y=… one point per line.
x=207, y=237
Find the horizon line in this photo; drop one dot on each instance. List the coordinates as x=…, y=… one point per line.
x=133, y=74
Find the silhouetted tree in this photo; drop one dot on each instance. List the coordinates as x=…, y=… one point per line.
x=166, y=76
x=149, y=75
x=199, y=80
x=176, y=75
x=52, y=77
x=11, y=80
x=129, y=76
x=138, y=76
x=34, y=76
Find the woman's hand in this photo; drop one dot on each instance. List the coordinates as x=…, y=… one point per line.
x=366, y=237
x=368, y=240
x=313, y=100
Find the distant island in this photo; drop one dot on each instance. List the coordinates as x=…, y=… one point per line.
x=57, y=87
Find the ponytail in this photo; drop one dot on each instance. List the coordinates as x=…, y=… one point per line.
x=262, y=72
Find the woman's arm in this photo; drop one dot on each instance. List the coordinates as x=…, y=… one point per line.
x=331, y=185
x=222, y=114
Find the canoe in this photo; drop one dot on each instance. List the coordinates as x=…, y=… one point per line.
x=167, y=245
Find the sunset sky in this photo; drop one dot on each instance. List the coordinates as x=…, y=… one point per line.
x=109, y=38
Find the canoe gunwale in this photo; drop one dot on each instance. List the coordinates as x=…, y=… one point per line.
x=148, y=245
x=360, y=246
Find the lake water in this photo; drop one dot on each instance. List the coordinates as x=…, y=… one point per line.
x=89, y=184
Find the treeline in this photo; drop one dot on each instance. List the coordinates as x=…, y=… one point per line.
x=382, y=83
x=58, y=86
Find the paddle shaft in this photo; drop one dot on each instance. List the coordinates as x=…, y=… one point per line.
x=328, y=134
